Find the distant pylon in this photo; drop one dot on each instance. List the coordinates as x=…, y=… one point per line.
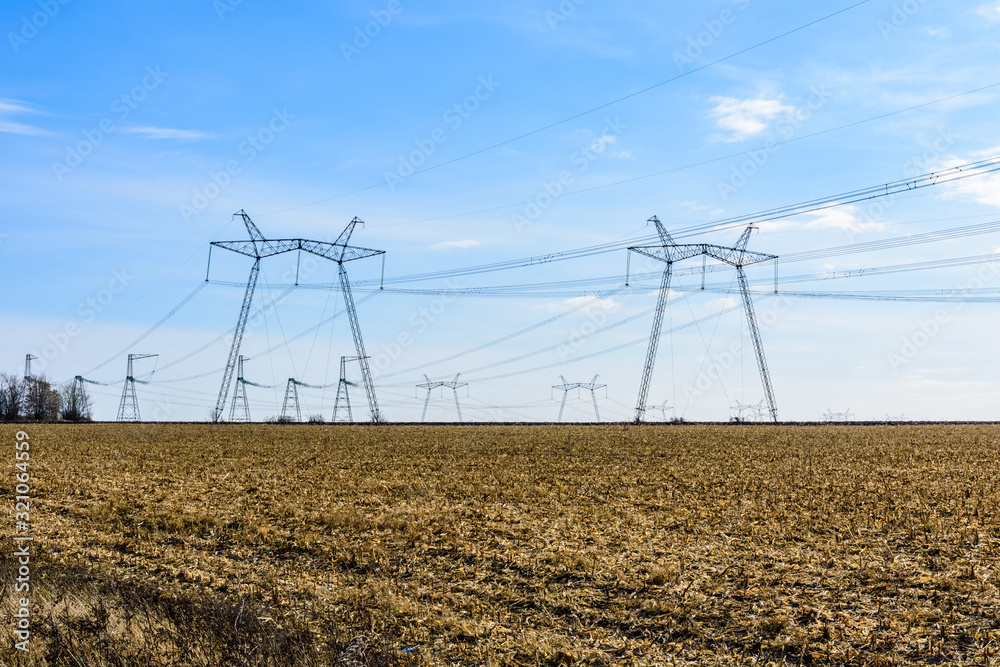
x=343, y=400
x=663, y=407
x=567, y=387
x=454, y=385
x=128, y=409
x=291, y=401
x=28, y=358
x=240, y=410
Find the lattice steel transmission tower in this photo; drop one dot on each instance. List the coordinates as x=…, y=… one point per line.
x=240, y=397
x=128, y=409
x=567, y=387
x=259, y=248
x=291, y=401
x=342, y=395
x=663, y=407
x=454, y=385
x=737, y=256
x=28, y=358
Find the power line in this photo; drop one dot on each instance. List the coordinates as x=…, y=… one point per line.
x=584, y=113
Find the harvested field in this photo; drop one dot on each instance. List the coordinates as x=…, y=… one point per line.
x=512, y=545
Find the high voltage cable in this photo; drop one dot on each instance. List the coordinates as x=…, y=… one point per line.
x=153, y=328
x=692, y=165
x=584, y=113
x=926, y=180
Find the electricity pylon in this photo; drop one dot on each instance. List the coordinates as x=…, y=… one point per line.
x=454, y=385
x=737, y=256
x=342, y=394
x=663, y=407
x=240, y=397
x=831, y=416
x=291, y=396
x=28, y=358
x=567, y=387
x=258, y=248
x=128, y=409
x=744, y=412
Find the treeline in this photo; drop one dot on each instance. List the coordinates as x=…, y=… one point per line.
x=35, y=399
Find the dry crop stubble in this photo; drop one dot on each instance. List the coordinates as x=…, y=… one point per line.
x=508, y=545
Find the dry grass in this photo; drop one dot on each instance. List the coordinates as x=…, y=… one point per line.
x=531, y=545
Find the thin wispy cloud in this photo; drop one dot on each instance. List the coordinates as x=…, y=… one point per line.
x=468, y=243
x=10, y=108
x=746, y=118
x=168, y=133
x=990, y=11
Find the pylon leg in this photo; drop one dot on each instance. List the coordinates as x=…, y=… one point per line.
x=562, y=405
x=654, y=339
x=758, y=346
x=427, y=400
x=597, y=413
x=458, y=408
x=359, y=344
x=234, y=351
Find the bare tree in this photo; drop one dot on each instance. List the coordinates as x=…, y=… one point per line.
x=74, y=402
x=41, y=400
x=12, y=391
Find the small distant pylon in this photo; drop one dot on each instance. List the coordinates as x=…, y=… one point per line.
x=28, y=358
x=454, y=385
x=663, y=408
x=567, y=387
x=291, y=400
x=240, y=410
x=343, y=400
x=128, y=409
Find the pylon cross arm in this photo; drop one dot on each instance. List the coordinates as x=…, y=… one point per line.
x=737, y=257
x=337, y=252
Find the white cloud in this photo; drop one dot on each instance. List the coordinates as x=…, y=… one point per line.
x=14, y=108
x=842, y=217
x=983, y=189
x=991, y=12
x=168, y=133
x=591, y=302
x=457, y=244
x=745, y=118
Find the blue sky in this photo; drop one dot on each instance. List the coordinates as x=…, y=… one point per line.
x=131, y=133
